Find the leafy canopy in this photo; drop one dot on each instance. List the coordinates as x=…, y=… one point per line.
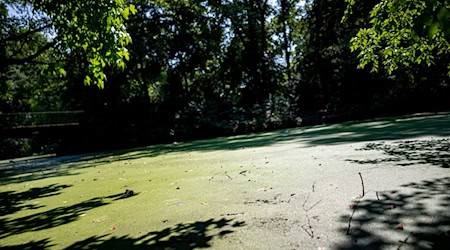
x=96, y=27
x=402, y=33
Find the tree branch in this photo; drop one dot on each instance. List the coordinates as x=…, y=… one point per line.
x=25, y=34
x=30, y=58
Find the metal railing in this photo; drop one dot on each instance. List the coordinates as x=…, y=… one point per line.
x=40, y=119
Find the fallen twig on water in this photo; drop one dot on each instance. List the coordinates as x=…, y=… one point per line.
x=402, y=242
x=362, y=183
x=216, y=174
x=311, y=231
x=351, y=216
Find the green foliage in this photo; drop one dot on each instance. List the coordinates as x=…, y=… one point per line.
x=225, y=66
x=403, y=33
x=28, y=85
x=96, y=27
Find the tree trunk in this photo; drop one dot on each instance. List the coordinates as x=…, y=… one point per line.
x=286, y=37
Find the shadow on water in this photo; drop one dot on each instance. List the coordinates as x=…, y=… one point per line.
x=32, y=245
x=405, y=153
x=381, y=129
x=182, y=236
x=349, y=132
x=423, y=209
x=12, y=202
x=25, y=170
x=44, y=167
x=394, y=128
x=198, y=234
x=51, y=218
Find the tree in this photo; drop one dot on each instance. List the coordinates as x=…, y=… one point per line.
x=96, y=27
x=404, y=33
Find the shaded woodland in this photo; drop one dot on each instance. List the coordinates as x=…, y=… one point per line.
x=197, y=69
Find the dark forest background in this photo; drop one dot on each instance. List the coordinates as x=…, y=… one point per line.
x=200, y=69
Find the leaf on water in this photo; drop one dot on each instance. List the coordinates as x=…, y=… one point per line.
x=399, y=226
x=96, y=221
x=357, y=197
